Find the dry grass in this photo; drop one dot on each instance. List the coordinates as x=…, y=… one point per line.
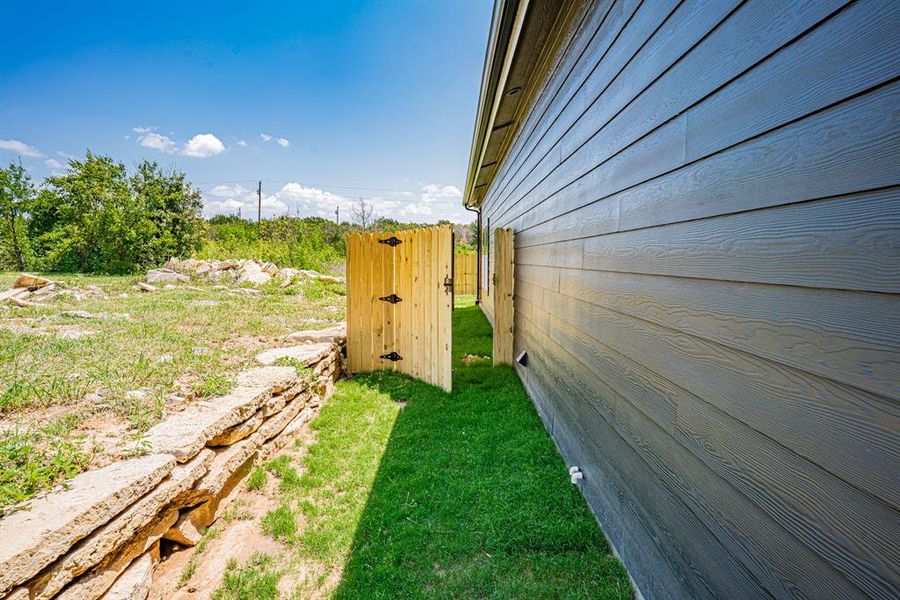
x=138, y=356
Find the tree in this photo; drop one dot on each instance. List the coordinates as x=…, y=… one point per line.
x=97, y=218
x=363, y=212
x=16, y=195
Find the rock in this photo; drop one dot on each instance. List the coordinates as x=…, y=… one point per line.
x=164, y=358
x=94, y=583
x=166, y=276
x=184, y=532
x=254, y=274
x=246, y=291
x=307, y=354
x=336, y=334
x=274, y=425
x=18, y=594
x=278, y=379
x=184, y=434
x=44, y=290
x=229, y=468
x=76, y=314
x=17, y=301
x=14, y=293
x=134, y=583
x=288, y=434
x=205, y=302
x=145, y=287
x=105, y=541
x=30, y=282
x=239, y=431
x=37, y=535
x=139, y=394
x=226, y=462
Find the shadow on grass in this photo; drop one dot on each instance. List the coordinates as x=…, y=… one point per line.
x=471, y=499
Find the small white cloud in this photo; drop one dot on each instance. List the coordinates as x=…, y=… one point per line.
x=20, y=148
x=227, y=191
x=66, y=155
x=265, y=137
x=283, y=142
x=203, y=145
x=242, y=143
x=53, y=163
x=157, y=141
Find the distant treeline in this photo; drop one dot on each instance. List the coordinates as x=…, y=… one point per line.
x=98, y=218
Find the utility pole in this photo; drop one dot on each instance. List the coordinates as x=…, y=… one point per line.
x=239, y=214
x=259, y=203
x=337, y=214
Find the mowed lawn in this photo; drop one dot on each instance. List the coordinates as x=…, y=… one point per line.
x=411, y=492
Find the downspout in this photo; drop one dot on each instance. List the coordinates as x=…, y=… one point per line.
x=477, y=211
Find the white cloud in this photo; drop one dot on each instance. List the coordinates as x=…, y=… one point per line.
x=435, y=202
x=203, y=145
x=20, y=148
x=283, y=142
x=242, y=143
x=265, y=137
x=53, y=163
x=66, y=155
x=157, y=141
x=225, y=191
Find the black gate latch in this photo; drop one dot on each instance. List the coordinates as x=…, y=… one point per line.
x=393, y=299
x=391, y=241
x=392, y=356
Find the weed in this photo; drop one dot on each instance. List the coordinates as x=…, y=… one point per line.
x=214, y=384
x=256, y=580
x=34, y=461
x=282, y=469
x=279, y=523
x=191, y=568
x=257, y=479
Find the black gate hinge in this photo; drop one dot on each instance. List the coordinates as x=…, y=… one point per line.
x=393, y=298
x=448, y=284
x=391, y=241
x=392, y=356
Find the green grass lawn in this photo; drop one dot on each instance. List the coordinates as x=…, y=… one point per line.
x=411, y=492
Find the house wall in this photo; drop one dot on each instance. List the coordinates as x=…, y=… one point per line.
x=706, y=207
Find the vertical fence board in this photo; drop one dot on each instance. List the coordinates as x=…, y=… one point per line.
x=504, y=267
x=446, y=308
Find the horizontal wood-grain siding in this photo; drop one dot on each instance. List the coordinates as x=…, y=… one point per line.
x=706, y=203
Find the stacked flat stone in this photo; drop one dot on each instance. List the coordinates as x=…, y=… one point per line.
x=99, y=535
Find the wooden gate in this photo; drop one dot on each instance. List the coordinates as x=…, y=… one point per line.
x=504, y=289
x=399, y=303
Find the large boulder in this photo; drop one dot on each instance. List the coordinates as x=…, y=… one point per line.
x=254, y=274
x=49, y=526
x=30, y=282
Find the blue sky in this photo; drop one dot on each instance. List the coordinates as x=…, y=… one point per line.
x=323, y=101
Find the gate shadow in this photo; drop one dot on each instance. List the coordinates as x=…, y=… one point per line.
x=471, y=499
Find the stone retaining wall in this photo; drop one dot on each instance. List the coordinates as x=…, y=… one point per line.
x=99, y=537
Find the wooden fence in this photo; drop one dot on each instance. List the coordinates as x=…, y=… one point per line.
x=465, y=273
x=399, y=303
